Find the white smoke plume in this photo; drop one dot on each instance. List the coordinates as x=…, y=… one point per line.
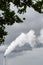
x=40, y=38
x=31, y=38
x=21, y=41
x=24, y=39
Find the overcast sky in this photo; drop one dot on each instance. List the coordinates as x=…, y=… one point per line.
x=34, y=20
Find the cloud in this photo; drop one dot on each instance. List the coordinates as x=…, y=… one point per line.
x=31, y=38
x=19, y=41
x=40, y=38
x=22, y=42
x=25, y=41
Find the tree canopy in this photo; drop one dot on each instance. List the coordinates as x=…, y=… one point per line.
x=9, y=17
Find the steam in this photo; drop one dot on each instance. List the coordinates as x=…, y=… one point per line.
x=40, y=38
x=31, y=38
x=25, y=41
x=21, y=40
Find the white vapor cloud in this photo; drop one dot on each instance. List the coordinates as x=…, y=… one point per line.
x=25, y=41
x=40, y=38
x=22, y=41
x=31, y=38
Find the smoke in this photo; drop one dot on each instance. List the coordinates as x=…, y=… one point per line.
x=21, y=41
x=40, y=38
x=25, y=42
x=31, y=38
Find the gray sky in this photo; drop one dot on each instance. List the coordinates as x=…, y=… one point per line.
x=34, y=57
x=34, y=21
